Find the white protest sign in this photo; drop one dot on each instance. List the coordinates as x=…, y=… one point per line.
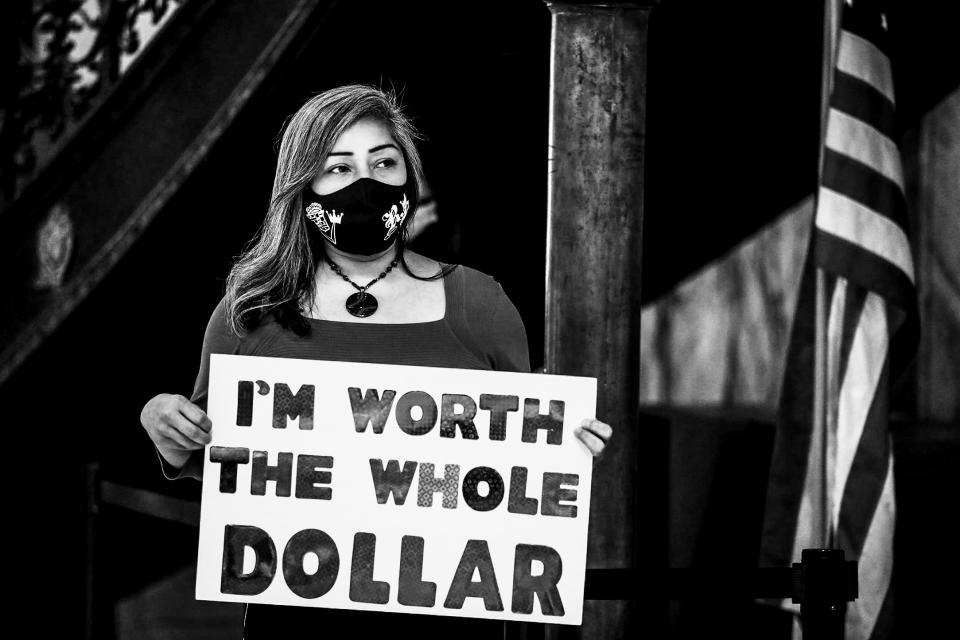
x=395, y=488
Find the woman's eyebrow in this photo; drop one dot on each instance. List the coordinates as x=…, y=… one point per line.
x=379, y=147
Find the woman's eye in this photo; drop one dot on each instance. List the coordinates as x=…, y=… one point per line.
x=338, y=169
x=386, y=163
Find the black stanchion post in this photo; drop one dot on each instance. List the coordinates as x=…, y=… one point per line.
x=91, y=474
x=823, y=584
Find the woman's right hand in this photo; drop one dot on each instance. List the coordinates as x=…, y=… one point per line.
x=176, y=426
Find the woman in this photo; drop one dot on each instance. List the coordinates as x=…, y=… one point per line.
x=329, y=277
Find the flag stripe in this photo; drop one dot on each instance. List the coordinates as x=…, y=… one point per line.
x=867, y=269
x=856, y=298
x=858, y=401
x=861, y=58
x=861, y=495
x=875, y=569
x=788, y=464
x=862, y=142
x=883, y=626
x=850, y=220
x=863, y=101
x=859, y=182
x=836, y=316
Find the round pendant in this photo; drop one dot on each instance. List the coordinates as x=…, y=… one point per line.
x=361, y=304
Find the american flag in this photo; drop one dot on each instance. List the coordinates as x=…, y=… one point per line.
x=831, y=478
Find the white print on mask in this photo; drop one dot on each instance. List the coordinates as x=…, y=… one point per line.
x=326, y=221
x=392, y=219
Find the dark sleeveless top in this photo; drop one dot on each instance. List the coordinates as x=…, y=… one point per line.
x=481, y=329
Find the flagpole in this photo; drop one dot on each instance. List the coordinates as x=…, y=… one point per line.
x=823, y=433
x=819, y=412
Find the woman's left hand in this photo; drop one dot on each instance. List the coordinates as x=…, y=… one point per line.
x=595, y=435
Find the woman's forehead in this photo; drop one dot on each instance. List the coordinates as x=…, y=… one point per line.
x=363, y=135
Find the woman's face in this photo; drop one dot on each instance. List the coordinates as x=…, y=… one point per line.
x=365, y=150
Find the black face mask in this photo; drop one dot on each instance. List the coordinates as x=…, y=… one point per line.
x=363, y=218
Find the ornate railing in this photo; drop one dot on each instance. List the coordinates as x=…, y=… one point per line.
x=63, y=57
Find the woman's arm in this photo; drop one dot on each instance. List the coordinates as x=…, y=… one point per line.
x=179, y=427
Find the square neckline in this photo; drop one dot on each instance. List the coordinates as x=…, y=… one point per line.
x=448, y=293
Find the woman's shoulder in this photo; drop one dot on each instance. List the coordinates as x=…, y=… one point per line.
x=476, y=286
x=491, y=320
x=482, y=293
x=475, y=278
x=221, y=337
x=218, y=317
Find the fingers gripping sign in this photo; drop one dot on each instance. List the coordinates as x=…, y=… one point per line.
x=175, y=425
x=195, y=415
x=595, y=435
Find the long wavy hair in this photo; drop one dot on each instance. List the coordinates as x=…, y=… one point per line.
x=275, y=273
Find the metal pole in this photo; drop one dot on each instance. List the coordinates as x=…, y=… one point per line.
x=598, y=88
